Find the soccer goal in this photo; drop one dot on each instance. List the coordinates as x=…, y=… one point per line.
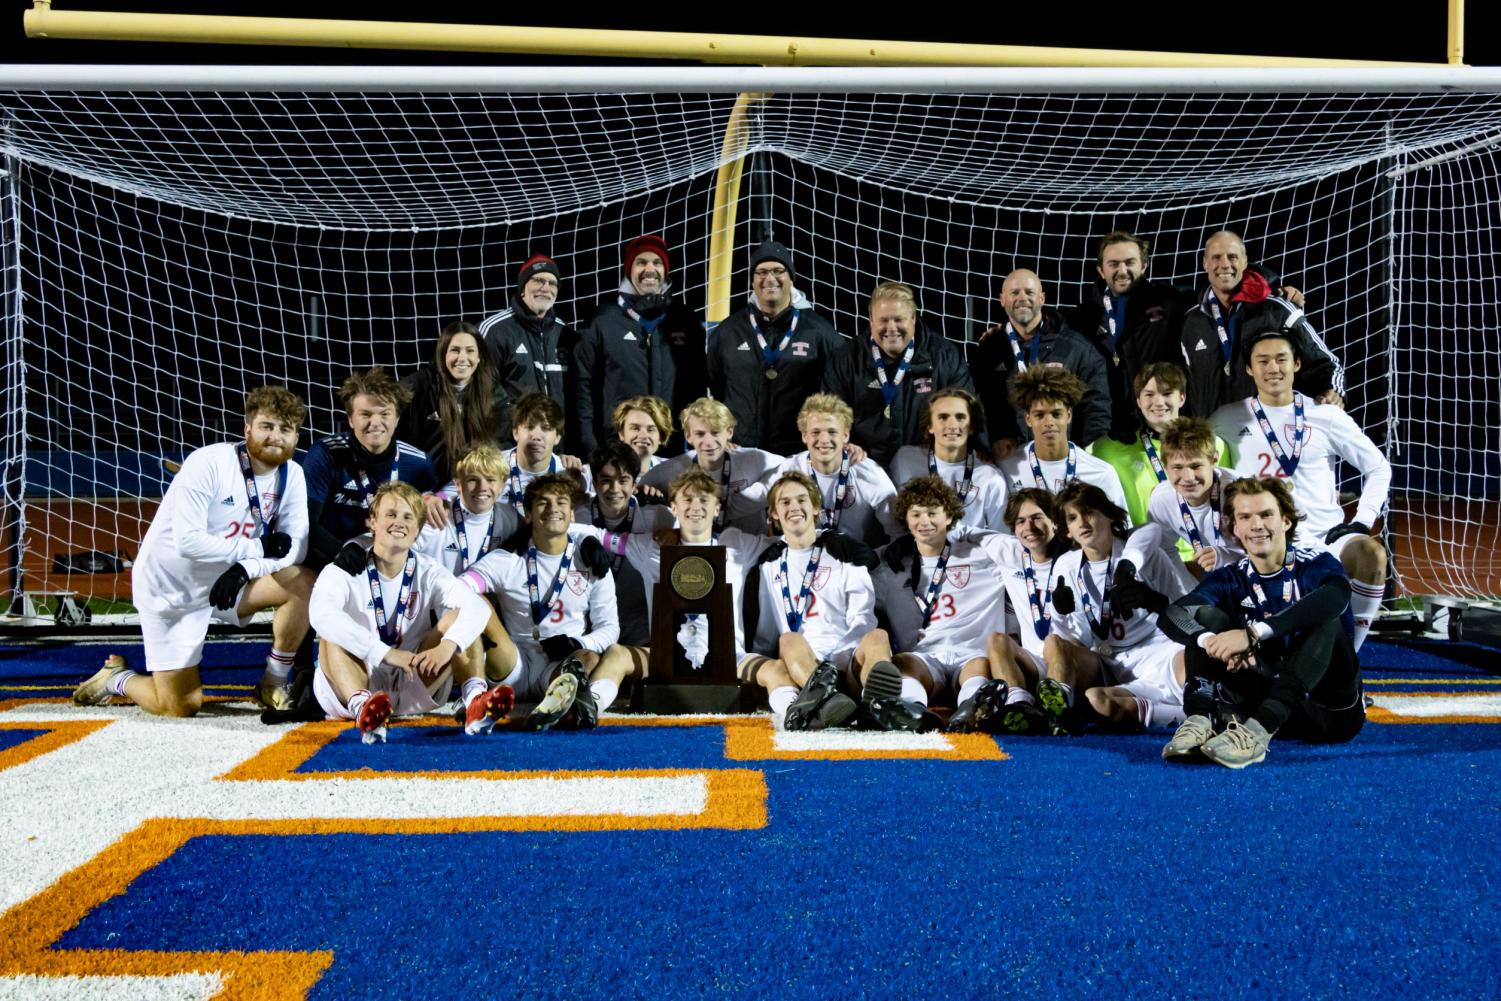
x=173, y=238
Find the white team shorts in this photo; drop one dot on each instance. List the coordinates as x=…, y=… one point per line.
x=410, y=695
x=1146, y=669
x=944, y=664
x=748, y=666
x=174, y=642
x=1338, y=545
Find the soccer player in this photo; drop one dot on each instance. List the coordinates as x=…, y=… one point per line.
x=344, y=469
x=615, y=508
x=1051, y=461
x=557, y=602
x=766, y=359
x=955, y=419
x=1187, y=507
x=529, y=345
x=640, y=343
x=223, y=545
x=857, y=495
x=643, y=423
x=1280, y=432
x=743, y=474
x=1104, y=641
x=817, y=619
x=1268, y=640
x=537, y=426
x=377, y=657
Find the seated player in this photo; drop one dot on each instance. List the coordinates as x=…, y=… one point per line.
x=943, y=598
x=537, y=426
x=817, y=619
x=954, y=420
x=377, y=656
x=1187, y=507
x=1050, y=461
x=1280, y=432
x=223, y=545
x=857, y=494
x=1104, y=641
x=1269, y=648
x=1161, y=391
x=644, y=423
x=557, y=603
x=344, y=468
x=743, y=474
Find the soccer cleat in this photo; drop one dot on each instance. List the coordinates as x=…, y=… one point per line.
x=555, y=703
x=883, y=682
x=95, y=691
x=584, y=714
x=274, y=694
x=1054, y=704
x=966, y=719
x=1189, y=739
x=819, y=705
x=373, y=716
x=1238, y=745
x=900, y=714
x=489, y=708
x=1021, y=718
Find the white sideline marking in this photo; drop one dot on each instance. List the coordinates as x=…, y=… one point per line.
x=1446, y=705
x=855, y=740
x=65, y=807
x=175, y=987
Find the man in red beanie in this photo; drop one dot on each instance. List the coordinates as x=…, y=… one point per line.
x=531, y=348
x=640, y=343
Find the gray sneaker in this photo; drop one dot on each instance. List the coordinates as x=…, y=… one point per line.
x=1240, y=744
x=1189, y=740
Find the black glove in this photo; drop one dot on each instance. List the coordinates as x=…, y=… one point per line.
x=1128, y=592
x=773, y=552
x=352, y=558
x=558, y=647
x=1063, y=598
x=275, y=545
x=518, y=540
x=1348, y=528
x=227, y=588
x=848, y=549
x=898, y=552
x=592, y=554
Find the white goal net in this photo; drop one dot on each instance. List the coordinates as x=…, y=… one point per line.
x=167, y=251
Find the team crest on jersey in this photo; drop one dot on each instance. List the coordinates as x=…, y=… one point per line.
x=576, y=582
x=820, y=578
x=958, y=576
x=411, y=612
x=800, y=348
x=1289, y=430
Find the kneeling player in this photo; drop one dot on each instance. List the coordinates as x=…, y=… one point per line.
x=1269, y=640
x=1105, y=641
x=825, y=627
x=224, y=544
x=377, y=656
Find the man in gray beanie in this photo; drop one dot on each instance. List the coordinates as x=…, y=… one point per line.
x=766, y=359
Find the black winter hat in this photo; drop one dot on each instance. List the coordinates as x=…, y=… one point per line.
x=771, y=250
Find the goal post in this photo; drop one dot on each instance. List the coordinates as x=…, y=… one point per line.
x=174, y=236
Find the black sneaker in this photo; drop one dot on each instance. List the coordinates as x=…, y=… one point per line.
x=1055, y=706
x=970, y=715
x=584, y=713
x=883, y=682
x=555, y=704
x=819, y=705
x=900, y=714
x=1023, y=718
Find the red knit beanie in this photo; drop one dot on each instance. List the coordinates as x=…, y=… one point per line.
x=646, y=244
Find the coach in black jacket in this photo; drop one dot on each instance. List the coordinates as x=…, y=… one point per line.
x=765, y=380
x=1239, y=304
x=532, y=349
x=887, y=375
x=1132, y=322
x=639, y=343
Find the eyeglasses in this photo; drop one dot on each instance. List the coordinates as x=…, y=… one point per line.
x=544, y=281
x=770, y=272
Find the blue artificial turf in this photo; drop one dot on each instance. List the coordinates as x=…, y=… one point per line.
x=14, y=738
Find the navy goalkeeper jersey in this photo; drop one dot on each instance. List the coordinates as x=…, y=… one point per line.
x=1248, y=596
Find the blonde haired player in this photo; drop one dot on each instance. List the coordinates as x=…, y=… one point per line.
x=856, y=494
x=1187, y=507
x=743, y=474
x=224, y=544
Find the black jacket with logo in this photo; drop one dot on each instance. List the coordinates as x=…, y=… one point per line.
x=766, y=409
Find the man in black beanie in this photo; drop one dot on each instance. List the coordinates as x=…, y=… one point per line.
x=530, y=347
x=766, y=359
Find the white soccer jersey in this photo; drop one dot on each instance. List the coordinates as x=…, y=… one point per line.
x=1019, y=474
x=582, y=601
x=342, y=610
x=1089, y=580
x=204, y=525
x=513, y=491
x=865, y=511
x=743, y=479
x=1330, y=435
x=1163, y=510
x=969, y=606
x=442, y=544
x=1019, y=592
x=985, y=498
x=839, y=610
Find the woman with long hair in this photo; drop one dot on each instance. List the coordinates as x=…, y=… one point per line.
x=455, y=399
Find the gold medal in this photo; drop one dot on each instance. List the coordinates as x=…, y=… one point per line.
x=770, y=373
x=887, y=412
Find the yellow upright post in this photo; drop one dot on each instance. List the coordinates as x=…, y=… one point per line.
x=1456, y=32
x=726, y=203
